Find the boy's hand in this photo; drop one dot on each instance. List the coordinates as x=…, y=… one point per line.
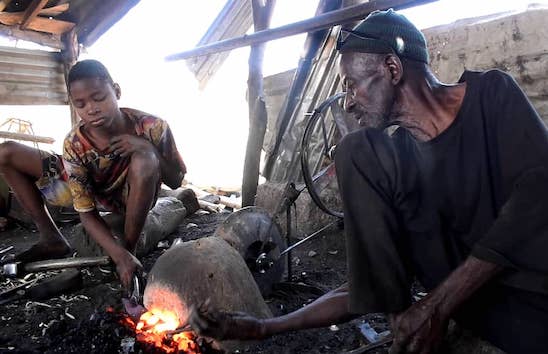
x=126, y=144
x=126, y=265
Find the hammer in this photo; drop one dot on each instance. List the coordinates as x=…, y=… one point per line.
x=16, y=268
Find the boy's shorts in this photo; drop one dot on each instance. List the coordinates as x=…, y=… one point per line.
x=55, y=188
x=53, y=184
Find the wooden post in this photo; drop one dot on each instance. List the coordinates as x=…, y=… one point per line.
x=70, y=56
x=262, y=13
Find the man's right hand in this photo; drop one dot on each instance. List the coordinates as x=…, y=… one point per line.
x=126, y=265
x=225, y=325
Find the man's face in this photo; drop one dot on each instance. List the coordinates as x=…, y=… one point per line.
x=369, y=91
x=96, y=101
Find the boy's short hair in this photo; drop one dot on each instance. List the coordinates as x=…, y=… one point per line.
x=89, y=68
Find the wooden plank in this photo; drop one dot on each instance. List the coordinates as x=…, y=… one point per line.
x=31, y=101
x=19, y=71
x=7, y=64
x=27, y=53
x=48, y=40
x=31, y=79
x=32, y=89
x=54, y=10
x=26, y=137
x=327, y=20
x=39, y=24
x=49, y=98
x=4, y=4
x=32, y=12
x=31, y=65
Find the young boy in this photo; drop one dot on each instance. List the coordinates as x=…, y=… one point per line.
x=114, y=160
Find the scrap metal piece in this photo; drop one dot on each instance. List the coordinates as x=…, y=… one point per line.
x=15, y=268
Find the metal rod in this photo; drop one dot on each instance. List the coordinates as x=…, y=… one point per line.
x=7, y=249
x=288, y=239
x=329, y=19
x=307, y=238
x=76, y=262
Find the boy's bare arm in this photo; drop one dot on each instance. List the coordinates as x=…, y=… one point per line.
x=126, y=144
x=172, y=176
x=126, y=263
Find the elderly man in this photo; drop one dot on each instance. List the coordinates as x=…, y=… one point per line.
x=456, y=197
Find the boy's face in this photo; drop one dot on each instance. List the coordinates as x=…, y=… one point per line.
x=96, y=101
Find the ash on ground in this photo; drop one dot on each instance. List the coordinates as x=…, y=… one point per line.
x=87, y=320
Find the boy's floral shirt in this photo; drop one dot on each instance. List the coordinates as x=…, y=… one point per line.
x=97, y=179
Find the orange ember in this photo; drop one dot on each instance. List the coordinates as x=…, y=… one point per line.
x=159, y=328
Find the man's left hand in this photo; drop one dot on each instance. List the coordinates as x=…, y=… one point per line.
x=225, y=325
x=420, y=328
x=126, y=144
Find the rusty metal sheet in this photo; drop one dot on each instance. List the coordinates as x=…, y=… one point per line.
x=234, y=20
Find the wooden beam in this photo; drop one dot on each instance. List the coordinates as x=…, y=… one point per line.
x=39, y=24
x=54, y=10
x=329, y=19
x=32, y=12
x=26, y=137
x=45, y=39
x=4, y=4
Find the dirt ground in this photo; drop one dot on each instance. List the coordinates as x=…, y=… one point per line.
x=88, y=318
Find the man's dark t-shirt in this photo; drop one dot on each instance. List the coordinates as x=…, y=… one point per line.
x=419, y=209
x=480, y=188
x=483, y=187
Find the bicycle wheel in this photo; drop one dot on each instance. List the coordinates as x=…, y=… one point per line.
x=326, y=126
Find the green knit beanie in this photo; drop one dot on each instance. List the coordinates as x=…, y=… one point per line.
x=385, y=32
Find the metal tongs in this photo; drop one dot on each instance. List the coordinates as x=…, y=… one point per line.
x=133, y=304
x=137, y=289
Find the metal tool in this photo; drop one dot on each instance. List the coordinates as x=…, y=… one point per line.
x=137, y=290
x=15, y=269
x=264, y=261
x=133, y=303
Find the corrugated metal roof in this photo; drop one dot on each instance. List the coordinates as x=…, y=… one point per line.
x=31, y=77
x=234, y=20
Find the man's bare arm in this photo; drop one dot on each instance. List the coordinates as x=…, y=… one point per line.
x=421, y=327
x=331, y=308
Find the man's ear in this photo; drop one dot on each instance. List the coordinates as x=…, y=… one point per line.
x=117, y=90
x=395, y=67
